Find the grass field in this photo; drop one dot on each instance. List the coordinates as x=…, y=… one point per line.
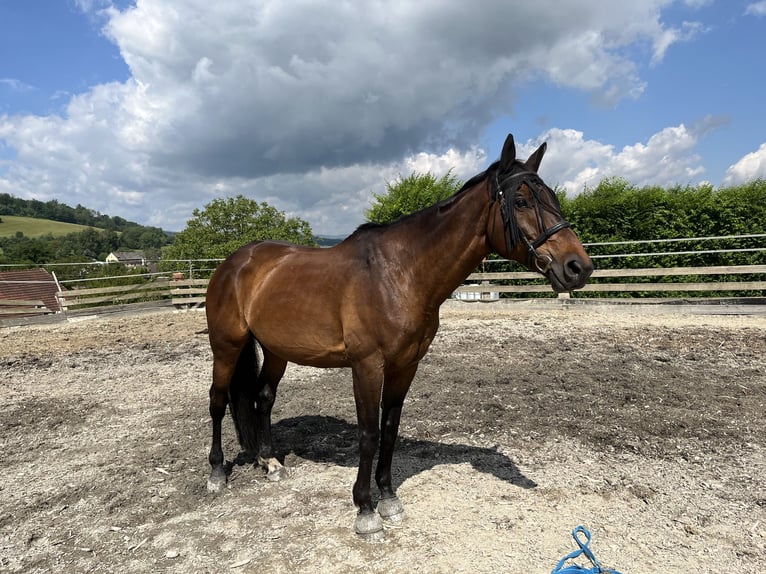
x=33, y=227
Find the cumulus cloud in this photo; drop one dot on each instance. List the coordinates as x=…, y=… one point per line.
x=756, y=8
x=687, y=32
x=310, y=106
x=666, y=158
x=15, y=85
x=749, y=167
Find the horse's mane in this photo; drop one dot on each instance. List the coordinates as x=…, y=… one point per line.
x=475, y=180
x=478, y=178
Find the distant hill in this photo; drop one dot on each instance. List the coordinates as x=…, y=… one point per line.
x=55, y=211
x=35, y=227
x=328, y=240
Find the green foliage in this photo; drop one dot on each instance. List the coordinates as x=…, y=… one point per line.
x=91, y=244
x=55, y=211
x=618, y=211
x=412, y=193
x=47, y=232
x=225, y=225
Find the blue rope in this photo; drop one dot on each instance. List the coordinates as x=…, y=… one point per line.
x=576, y=568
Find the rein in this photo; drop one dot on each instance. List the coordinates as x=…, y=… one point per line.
x=502, y=193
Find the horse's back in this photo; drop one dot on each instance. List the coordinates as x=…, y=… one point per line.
x=289, y=296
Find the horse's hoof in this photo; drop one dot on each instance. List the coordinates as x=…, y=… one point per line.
x=274, y=469
x=215, y=485
x=369, y=526
x=217, y=481
x=277, y=474
x=391, y=509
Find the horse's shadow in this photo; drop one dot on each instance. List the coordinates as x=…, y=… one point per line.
x=333, y=440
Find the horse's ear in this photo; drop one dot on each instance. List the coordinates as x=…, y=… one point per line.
x=534, y=160
x=509, y=153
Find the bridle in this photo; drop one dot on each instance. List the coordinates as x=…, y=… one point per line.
x=505, y=194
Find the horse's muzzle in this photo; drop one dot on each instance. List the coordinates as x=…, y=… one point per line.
x=571, y=274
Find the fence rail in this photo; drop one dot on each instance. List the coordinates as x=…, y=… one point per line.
x=171, y=288
x=486, y=289
x=23, y=308
x=190, y=293
x=182, y=293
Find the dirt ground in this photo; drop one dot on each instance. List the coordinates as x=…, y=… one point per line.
x=523, y=422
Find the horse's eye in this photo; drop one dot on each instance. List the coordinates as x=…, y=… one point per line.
x=521, y=203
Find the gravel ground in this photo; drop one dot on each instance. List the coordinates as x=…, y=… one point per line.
x=644, y=424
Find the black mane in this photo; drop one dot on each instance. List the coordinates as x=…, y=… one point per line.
x=475, y=180
x=371, y=225
x=478, y=178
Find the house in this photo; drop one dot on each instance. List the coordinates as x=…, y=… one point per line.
x=27, y=293
x=128, y=258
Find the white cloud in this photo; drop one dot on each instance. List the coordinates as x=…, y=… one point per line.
x=15, y=85
x=574, y=163
x=462, y=164
x=749, y=167
x=756, y=8
x=311, y=106
x=670, y=36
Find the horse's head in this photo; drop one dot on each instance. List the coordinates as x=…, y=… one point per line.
x=526, y=223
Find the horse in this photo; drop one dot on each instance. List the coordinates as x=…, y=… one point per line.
x=370, y=303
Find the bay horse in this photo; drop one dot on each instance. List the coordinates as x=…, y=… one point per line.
x=371, y=303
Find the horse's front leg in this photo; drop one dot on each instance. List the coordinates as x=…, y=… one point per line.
x=395, y=390
x=368, y=380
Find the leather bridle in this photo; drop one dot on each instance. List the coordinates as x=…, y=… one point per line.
x=505, y=192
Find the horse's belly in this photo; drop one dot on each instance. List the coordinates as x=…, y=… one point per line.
x=303, y=342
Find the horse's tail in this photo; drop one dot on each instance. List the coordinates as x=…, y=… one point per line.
x=242, y=397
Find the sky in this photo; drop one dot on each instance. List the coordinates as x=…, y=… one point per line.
x=149, y=109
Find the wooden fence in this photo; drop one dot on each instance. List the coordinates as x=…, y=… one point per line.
x=171, y=289
x=483, y=286
x=190, y=293
x=23, y=308
x=185, y=293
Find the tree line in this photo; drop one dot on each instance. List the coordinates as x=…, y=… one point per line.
x=88, y=245
x=56, y=211
x=618, y=211
x=107, y=234
x=614, y=210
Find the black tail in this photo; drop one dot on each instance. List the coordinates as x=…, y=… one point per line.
x=242, y=398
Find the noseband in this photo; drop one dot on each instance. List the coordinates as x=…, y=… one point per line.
x=505, y=193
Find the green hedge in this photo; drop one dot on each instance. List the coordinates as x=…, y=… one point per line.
x=618, y=211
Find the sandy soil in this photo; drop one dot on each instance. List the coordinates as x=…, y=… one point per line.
x=523, y=422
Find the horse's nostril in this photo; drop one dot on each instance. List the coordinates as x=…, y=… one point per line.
x=574, y=268
x=577, y=270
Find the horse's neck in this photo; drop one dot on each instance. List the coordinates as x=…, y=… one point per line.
x=448, y=245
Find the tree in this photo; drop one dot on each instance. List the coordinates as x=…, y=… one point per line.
x=412, y=193
x=225, y=225
x=140, y=237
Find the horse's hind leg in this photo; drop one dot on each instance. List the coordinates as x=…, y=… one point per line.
x=265, y=394
x=242, y=400
x=225, y=358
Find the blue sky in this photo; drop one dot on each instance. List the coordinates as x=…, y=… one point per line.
x=150, y=109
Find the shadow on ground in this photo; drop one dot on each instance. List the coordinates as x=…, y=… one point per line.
x=332, y=440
